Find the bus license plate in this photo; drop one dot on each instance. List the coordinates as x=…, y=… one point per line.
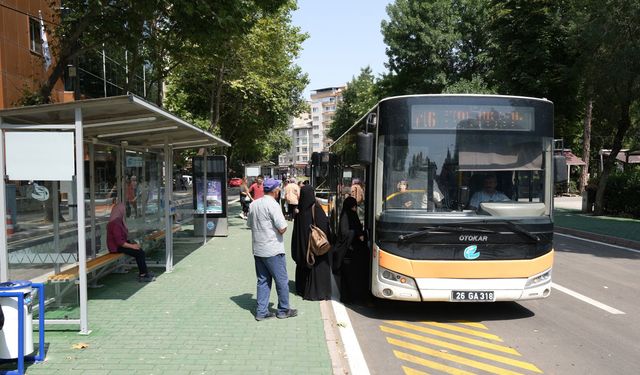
x=472, y=296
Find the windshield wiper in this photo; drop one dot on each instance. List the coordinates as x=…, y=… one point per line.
x=442, y=228
x=518, y=229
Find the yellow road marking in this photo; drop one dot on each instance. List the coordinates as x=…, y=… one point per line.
x=431, y=364
x=472, y=324
x=467, y=331
x=452, y=357
x=451, y=336
x=410, y=371
x=463, y=349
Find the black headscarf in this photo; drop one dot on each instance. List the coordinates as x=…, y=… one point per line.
x=302, y=221
x=351, y=215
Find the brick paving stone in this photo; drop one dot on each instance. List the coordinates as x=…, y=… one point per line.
x=197, y=319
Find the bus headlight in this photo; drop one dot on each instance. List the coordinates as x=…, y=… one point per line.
x=539, y=279
x=396, y=278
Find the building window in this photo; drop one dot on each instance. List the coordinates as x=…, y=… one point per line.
x=316, y=136
x=315, y=109
x=35, y=42
x=304, y=149
x=316, y=145
x=304, y=158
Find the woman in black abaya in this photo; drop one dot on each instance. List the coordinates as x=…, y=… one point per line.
x=313, y=282
x=351, y=260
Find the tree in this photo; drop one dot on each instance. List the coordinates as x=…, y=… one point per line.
x=433, y=44
x=254, y=82
x=612, y=51
x=359, y=97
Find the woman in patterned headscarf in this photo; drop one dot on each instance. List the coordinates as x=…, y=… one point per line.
x=118, y=242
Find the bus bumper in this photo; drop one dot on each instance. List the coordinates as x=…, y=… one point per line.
x=401, y=279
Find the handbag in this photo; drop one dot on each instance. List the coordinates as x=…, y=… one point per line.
x=318, y=242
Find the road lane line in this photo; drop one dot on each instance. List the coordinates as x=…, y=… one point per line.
x=452, y=357
x=471, y=324
x=411, y=371
x=586, y=299
x=451, y=336
x=467, y=331
x=431, y=364
x=463, y=349
x=355, y=358
x=598, y=242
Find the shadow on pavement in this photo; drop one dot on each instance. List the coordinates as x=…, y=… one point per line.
x=120, y=285
x=247, y=302
x=444, y=312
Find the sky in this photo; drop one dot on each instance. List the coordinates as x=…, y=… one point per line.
x=344, y=36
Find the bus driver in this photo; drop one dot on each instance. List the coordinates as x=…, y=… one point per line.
x=488, y=193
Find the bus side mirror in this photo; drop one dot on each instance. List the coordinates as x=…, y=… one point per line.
x=365, y=148
x=560, y=173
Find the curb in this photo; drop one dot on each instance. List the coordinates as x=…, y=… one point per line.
x=599, y=237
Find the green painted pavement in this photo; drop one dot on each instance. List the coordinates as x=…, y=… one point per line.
x=605, y=225
x=196, y=320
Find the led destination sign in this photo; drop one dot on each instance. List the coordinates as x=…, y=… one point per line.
x=473, y=117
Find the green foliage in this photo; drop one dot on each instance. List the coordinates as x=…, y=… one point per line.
x=621, y=196
x=357, y=99
x=474, y=86
x=434, y=44
x=247, y=91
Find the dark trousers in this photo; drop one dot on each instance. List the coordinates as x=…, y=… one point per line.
x=292, y=210
x=139, y=255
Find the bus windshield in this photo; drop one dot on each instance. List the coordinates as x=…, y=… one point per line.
x=463, y=173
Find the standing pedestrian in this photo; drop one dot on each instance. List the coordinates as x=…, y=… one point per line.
x=313, y=281
x=292, y=194
x=256, y=190
x=245, y=198
x=268, y=225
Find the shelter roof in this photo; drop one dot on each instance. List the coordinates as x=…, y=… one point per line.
x=625, y=156
x=116, y=119
x=572, y=159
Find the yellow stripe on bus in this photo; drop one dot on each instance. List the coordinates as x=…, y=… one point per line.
x=430, y=364
x=466, y=269
x=462, y=349
x=467, y=331
x=451, y=336
x=452, y=357
x=411, y=371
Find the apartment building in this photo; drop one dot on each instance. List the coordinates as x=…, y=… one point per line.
x=298, y=157
x=324, y=103
x=22, y=58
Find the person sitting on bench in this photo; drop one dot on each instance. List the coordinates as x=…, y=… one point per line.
x=117, y=241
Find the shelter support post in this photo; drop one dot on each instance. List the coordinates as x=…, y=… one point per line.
x=168, y=193
x=92, y=196
x=4, y=254
x=205, y=166
x=82, y=244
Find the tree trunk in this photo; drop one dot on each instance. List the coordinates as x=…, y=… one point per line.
x=586, y=147
x=216, y=99
x=623, y=126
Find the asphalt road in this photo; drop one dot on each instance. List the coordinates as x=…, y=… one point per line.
x=596, y=331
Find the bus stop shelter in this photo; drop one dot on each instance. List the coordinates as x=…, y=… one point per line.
x=52, y=142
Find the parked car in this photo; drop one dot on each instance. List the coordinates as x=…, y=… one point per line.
x=235, y=182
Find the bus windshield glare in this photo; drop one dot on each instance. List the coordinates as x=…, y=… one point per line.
x=458, y=172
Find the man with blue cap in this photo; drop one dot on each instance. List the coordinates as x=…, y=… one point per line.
x=268, y=225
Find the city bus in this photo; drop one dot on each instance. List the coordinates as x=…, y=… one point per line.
x=458, y=196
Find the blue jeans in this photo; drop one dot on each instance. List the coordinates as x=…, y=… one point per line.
x=267, y=269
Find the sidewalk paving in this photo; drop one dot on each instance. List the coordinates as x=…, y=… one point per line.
x=569, y=219
x=198, y=319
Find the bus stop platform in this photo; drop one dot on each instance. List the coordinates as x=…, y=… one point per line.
x=198, y=319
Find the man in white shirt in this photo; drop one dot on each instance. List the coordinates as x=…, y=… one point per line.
x=488, y=193
x=268, y=225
